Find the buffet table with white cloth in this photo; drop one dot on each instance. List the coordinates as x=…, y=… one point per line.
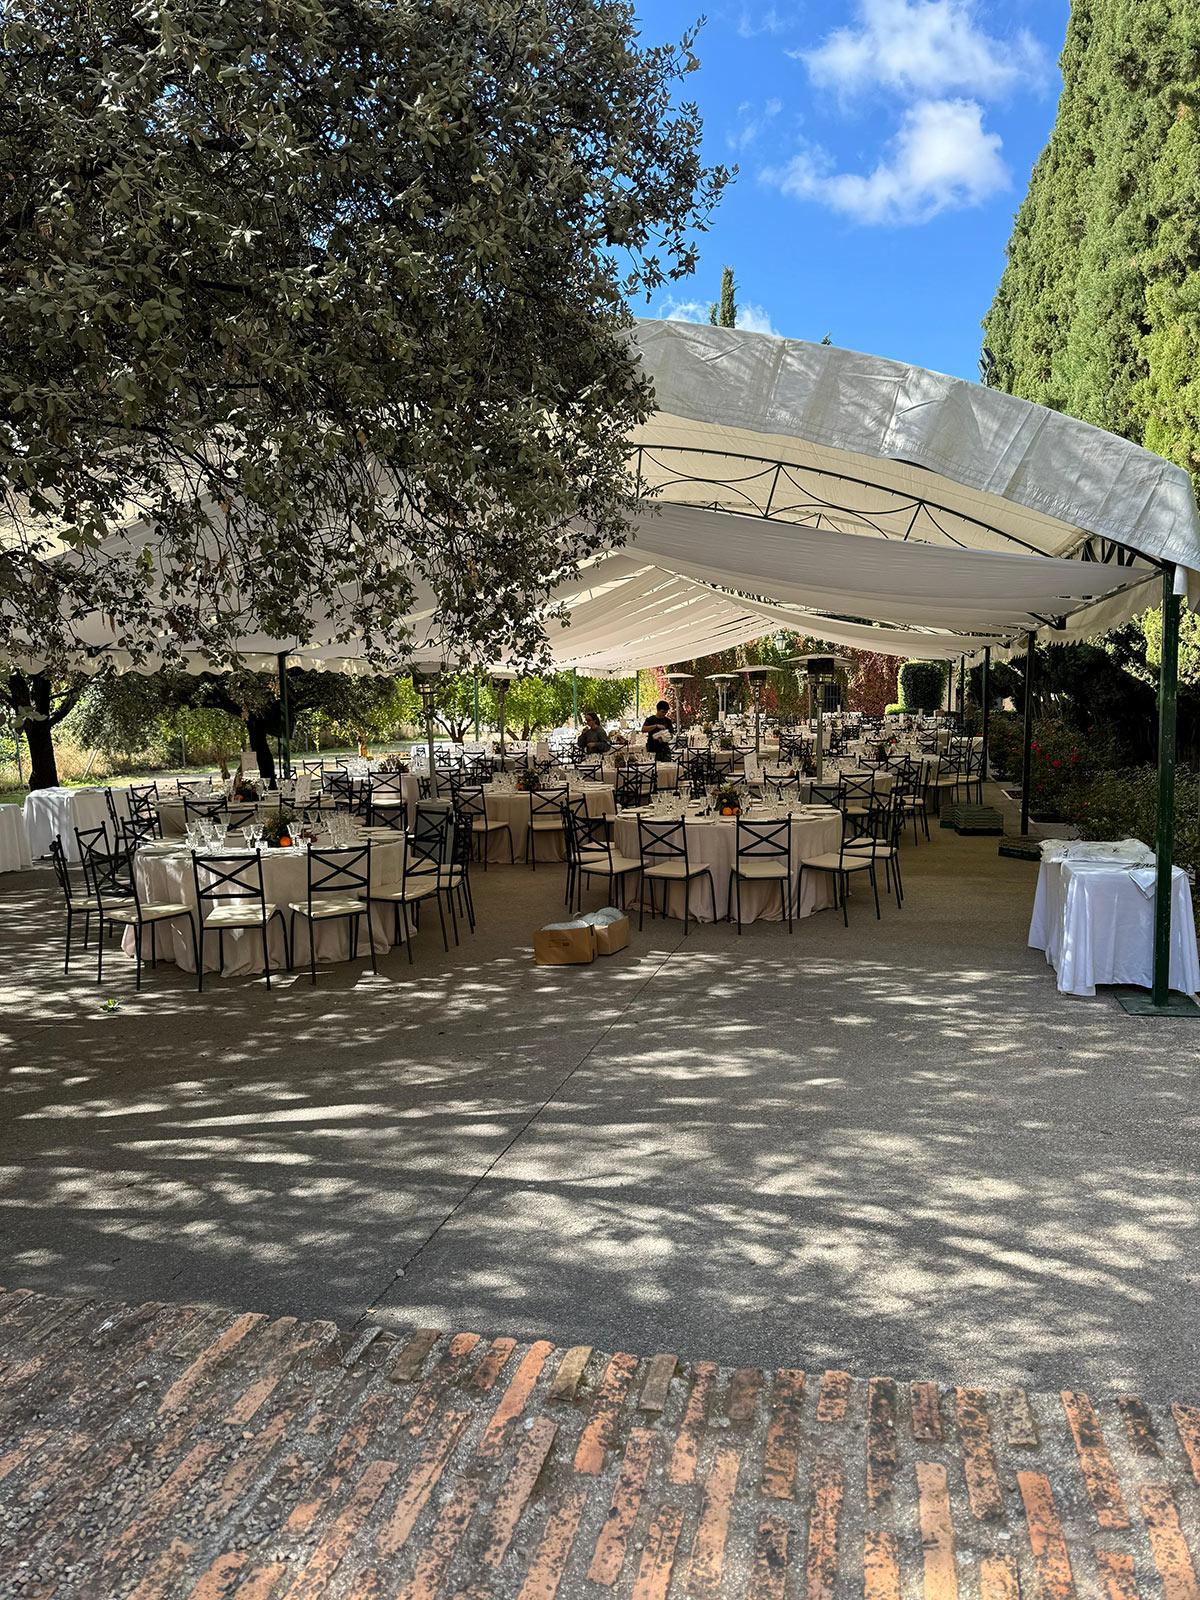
x=60, y=811
x=1093, y=916
x=164, y=874
x=512, y=807
x=712, y=842
x=15, y=854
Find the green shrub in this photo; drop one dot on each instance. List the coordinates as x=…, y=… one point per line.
x=1123, y=804
x=922, y=685
x=893, y=710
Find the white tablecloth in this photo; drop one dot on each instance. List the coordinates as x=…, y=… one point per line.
x=166, y=875
x=550, y=845
x=712, y=842
x=15, y=853
x=60, y=811
x=1096, y=926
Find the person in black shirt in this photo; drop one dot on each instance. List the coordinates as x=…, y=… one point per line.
x=592, y=741
x=659, y=731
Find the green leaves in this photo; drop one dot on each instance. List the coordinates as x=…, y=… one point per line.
x=328, y=299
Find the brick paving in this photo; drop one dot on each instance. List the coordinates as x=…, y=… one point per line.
x=180, y=1451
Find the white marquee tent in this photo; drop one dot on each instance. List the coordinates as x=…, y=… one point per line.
x=861, y=501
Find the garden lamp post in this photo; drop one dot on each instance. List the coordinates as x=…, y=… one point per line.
x=722, y=681
x=821, y=672
x=678, y=678
x=756, y=678
x=425, y=676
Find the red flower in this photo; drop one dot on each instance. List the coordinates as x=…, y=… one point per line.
x=1058, y=763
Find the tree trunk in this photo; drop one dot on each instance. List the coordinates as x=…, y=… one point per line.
x=33, y=694
x=256, y=732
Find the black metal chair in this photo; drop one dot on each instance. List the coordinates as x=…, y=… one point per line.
x=431, y=857
x=663, y=858
x=844, y=862
x=137, y=830
x=633, y=788
x=880, y=840
x=143, y=806
x=203, y=809
x=388, y=813
x=77, y=905
x=339, y=890
x=763, y=854
x=590, y=854
x=231, y=898
x=545, y=817
x=470, y=802
x=120, y=905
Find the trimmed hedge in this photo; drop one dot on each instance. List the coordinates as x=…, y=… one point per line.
x=922, y=685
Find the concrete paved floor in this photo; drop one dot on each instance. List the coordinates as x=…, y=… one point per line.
x=894, y=1148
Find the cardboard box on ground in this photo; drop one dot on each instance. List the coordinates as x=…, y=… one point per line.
x=580, y=941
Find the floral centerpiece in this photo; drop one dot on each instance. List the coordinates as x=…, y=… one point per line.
x=394, y=763
x=279, y=828
x=725, y=742
x=245, y=789
x=729, y=800
x=527, y=782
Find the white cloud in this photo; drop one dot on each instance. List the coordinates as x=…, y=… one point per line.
x=772, y=20
x=672, y=310
x=751, y=122
x=753, y=318
x=924, y=48
x=941, y=159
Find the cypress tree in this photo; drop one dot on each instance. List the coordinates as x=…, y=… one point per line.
x=727, y=316
x=1098, y=311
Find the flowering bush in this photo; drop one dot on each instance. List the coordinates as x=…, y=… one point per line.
x=1062, y=759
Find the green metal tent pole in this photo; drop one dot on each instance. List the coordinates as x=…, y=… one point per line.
x=962, y=691
x=637, y=695
x=475, y=696
x=1027, y=756
x=985, y=696
x=574, y=698
x=1168, y=689
x=285, y=738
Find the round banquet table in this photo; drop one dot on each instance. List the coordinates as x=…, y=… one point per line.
x=712, y=841
x=60, y=811
x=165, y=875
x=15, y=853
x=550, y=845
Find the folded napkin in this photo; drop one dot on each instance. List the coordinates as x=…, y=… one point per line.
x=1146, y=879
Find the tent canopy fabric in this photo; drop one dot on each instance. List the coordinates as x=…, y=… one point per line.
x=856, y=500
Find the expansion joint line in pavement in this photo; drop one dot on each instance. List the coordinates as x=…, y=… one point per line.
x=518, y=1135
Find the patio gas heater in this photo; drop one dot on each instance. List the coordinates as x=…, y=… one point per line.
x=425, y=674
x=500, y=682
x=756, y=678
x=678, y=678
x=722, y=681
x=819, y=675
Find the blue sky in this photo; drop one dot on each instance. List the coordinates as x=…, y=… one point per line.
x=883, y=147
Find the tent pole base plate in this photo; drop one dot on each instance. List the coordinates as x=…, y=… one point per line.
x=1139, y=1003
